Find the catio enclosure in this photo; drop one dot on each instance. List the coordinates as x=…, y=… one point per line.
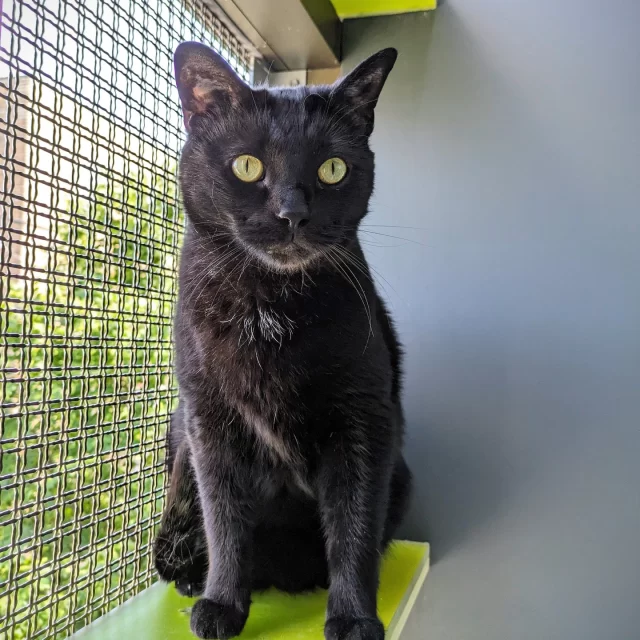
x=506, y=145
x=90, y=132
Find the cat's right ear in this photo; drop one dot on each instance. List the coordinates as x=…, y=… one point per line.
x=205, y=81
x=361, y=88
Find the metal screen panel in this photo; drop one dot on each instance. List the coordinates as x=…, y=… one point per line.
x=89, y=137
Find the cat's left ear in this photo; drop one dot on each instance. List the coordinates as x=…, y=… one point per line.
x=205, y=81
x=363, y=85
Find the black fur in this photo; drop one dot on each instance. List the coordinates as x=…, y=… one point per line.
x=285, y=450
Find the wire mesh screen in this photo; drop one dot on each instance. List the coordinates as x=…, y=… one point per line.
x=89, y=138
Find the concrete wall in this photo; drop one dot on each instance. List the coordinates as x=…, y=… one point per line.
x=508, y=156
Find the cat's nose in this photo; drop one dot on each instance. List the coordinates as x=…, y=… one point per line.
x=294, y=209
x=296, y=219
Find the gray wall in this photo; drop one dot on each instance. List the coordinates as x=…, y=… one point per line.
x=509, y=135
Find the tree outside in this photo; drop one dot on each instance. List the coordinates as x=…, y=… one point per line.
x=87, y=396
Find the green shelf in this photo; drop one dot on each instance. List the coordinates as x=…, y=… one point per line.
x=160, y=613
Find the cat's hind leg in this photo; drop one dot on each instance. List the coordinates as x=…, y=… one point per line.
x=180, y=547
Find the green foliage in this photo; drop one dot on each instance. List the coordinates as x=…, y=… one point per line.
x=87, y=388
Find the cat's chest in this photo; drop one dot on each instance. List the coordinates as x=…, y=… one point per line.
x=278, y=367
x=248, y=359
x=258, y=367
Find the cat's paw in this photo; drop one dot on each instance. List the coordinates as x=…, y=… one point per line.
x=181, y=559
x=212, y=620
x=191, y=584
x=347, y=628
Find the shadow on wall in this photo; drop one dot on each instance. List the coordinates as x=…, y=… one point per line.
x=499, y=314
x=455, y=377
x=461, y=483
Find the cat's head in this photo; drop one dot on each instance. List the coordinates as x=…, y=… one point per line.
x=282, y=173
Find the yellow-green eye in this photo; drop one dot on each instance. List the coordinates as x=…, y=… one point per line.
x=332, y=171
x=247, y=168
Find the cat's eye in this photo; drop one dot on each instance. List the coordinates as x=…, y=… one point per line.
x=247, y=168
x=332, y=171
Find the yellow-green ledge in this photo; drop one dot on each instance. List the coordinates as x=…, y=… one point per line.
x=160, y=613
x=362, y=8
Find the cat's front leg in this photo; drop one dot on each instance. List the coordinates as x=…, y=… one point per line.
x=180, y=549
x=353, y=489
x=223, y=476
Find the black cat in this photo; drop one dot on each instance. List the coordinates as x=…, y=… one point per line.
x=285, y=449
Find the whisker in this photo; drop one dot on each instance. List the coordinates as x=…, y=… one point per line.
x=366, y=268
x=236, y=253
x=214, y=269
x=333, y=260
x=357, y=281
x=386, y=235
x=392, y=226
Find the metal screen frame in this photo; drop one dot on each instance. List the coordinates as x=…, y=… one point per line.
x=90, y=132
